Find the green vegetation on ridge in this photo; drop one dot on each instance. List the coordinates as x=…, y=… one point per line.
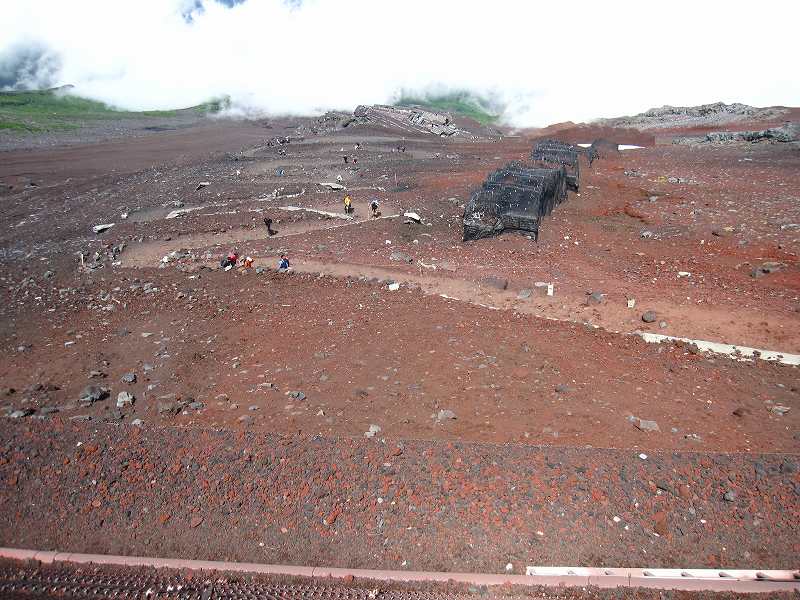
x=51, y=110
x=460, y=103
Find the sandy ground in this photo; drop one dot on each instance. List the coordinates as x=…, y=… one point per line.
x=321, y=354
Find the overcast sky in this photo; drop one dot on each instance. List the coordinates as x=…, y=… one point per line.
x=547, y=61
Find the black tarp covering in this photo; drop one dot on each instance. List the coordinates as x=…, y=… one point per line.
x=603, y=148
x=549, y=154
x=513, y=198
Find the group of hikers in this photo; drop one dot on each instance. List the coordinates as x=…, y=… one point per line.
x=373, y=206
x=233, y=259
x=346, y=158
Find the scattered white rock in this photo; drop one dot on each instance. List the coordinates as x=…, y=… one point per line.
x=445, y=414
x=181, y=211
x=174, y=255
x=643, y=424
x=398, y=256
x=125, y=399
x=103, y=227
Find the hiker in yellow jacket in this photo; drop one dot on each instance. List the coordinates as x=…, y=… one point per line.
x=348, y=204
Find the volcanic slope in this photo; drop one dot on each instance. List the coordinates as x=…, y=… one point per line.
x=253, y=390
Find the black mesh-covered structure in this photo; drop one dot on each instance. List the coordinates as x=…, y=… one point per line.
x=604, y=148
x=550, y=154
x=591, y=154
x=515, y=197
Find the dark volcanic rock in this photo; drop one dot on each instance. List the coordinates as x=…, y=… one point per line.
x=92, y=394
x=495, y=282
x=649, y=316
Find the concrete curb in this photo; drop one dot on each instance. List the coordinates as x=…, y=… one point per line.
x=735, y=580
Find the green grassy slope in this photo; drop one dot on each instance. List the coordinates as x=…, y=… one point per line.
x=460, y=103
x=51, y=110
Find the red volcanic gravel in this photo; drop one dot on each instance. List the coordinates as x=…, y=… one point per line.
x=153, y=404
x=359, y=502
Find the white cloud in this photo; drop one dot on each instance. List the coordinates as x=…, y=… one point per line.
x=548, y=61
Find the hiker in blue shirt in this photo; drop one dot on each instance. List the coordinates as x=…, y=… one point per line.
x=284, y=264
